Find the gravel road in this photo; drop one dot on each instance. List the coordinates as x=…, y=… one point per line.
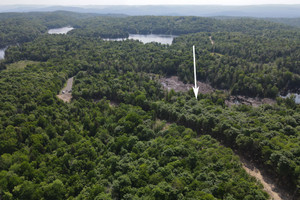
x=66, y=93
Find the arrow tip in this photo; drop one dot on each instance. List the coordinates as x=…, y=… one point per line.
x=196, y=91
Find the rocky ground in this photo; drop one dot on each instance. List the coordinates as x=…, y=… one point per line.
x=174, y=83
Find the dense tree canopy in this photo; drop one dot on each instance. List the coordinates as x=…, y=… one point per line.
x=123, y=136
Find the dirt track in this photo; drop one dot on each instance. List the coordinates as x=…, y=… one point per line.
x=66, y=93
x=211, y=41
x=275, y=192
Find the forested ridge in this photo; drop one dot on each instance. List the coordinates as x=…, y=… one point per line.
x=24, y=27
x=289, y=21
x=123, y=136
x=249, y=56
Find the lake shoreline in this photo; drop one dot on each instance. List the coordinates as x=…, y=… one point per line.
x=147, y=38
x=62, y=30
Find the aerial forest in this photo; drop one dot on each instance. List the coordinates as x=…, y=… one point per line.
x=123, y=135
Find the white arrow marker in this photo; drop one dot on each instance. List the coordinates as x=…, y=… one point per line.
x=195, y=88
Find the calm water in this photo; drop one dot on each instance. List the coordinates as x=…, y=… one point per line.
x=297, y=97
x=163, y=39
x=63, y=30
x=2, y=53
x=114, y=39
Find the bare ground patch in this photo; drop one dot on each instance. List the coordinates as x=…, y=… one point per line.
x=255, y=102
x=174, y=83
x=113, y=103
x=66, y=93
x=211, y=41
x=65, y=97
x=271, y=187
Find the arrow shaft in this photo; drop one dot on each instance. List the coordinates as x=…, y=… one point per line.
x=194, y=67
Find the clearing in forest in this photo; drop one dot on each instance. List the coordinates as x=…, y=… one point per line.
x=20, y=65
x=174, y=83
x=66, y=93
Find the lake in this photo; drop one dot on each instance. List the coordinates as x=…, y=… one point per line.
x=2, y=53
x=163, y=39
x=297, y=97
x=63, y=30
x=114, y=39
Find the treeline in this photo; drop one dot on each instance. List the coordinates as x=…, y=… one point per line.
x=121, y=27
x=289, y=21
x=114, y=26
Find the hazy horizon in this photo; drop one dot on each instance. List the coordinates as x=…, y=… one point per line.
x=149, y=5
x=206, y=10
x=147, y=2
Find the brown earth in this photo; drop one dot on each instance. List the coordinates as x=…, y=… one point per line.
x=66, y=93
x=211, y=41
x=178, y=86
x=174, y=83
x=113, y=103
x=270, y=186
x=65, y=97
x=255, y=102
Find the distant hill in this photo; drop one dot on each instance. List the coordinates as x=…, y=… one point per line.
x=266, y=11
x=289, y=21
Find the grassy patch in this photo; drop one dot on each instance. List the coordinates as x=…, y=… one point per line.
x=216, y=54
x=20, y=64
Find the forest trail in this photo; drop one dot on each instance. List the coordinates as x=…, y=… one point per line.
x=275, y=192
x=211, y=41
x=66, y=93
